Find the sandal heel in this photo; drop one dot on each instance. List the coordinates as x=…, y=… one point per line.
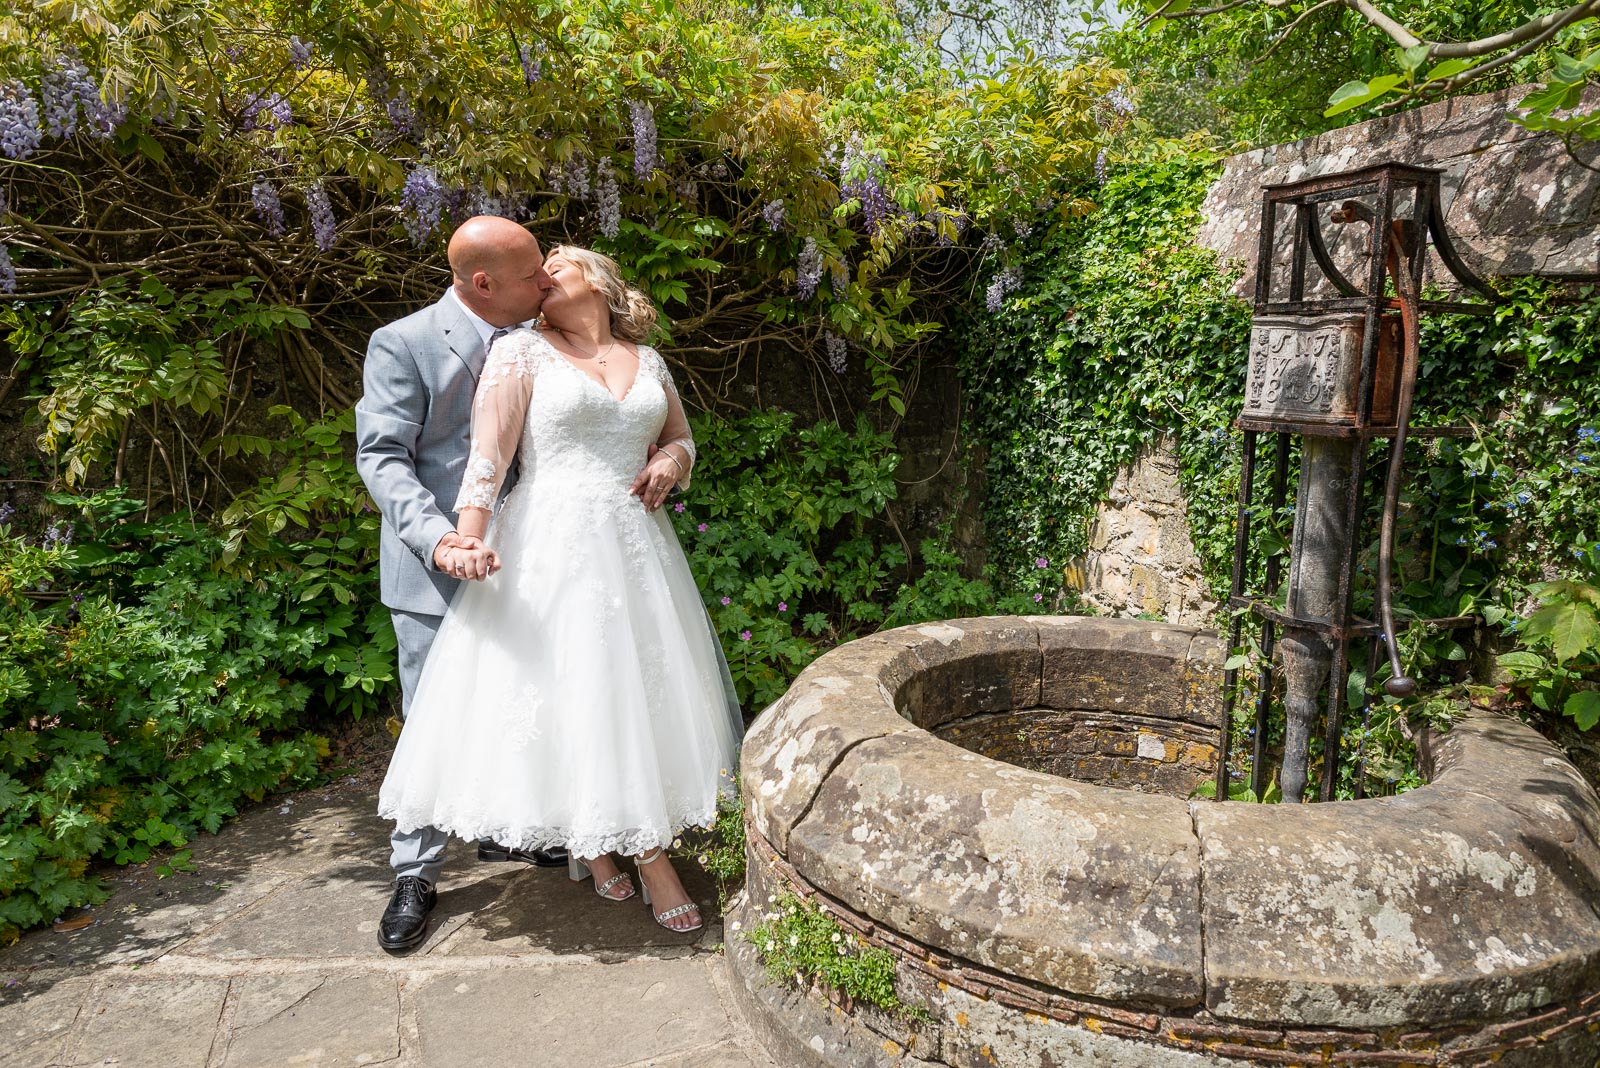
x=577, y=870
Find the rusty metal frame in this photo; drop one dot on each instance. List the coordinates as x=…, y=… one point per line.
x=1426, y=221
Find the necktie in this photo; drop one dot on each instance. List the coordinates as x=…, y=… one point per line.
x=496, y=336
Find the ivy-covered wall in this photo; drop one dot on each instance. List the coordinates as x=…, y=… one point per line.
x=1125, y=330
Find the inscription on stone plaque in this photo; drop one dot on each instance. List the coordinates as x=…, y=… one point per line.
x=1307, y=370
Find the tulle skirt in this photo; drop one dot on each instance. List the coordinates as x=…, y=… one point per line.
x=578, y=697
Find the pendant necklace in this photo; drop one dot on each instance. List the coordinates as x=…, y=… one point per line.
x=598, y=355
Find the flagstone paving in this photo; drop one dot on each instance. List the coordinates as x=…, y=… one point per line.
x=266, y=955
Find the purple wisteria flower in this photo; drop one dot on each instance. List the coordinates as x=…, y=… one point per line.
x=299, y=53
x=532, y=66
x=267, y=112
x=57, y=535
x=808, y=269
x=775, y=214
x=688, y=190
x=322, y=224
x=5, y=205
x=645, y=157
x=422, y=203
x=838, y=351
x=1120, y=103
x=1005, y=282
x=19, y=121
x=861, y=177
x=396, y=102
x=264, y=198
x=608, y=198
x=67, y=85
x=8, y=271
x=991, y=244
x=7, y=510
x=573, y=179
x=1100, y=166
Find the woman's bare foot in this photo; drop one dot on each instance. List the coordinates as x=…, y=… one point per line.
x=604, y=870
x=664, y=893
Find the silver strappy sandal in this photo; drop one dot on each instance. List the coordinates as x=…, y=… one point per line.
x=672, y=913
x=578, y=871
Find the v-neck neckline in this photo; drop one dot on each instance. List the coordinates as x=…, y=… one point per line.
x=597, y=383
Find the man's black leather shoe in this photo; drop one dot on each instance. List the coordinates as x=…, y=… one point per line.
x=542, y=858
x=405, y=921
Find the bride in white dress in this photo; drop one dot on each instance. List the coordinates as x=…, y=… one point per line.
x=578, y=696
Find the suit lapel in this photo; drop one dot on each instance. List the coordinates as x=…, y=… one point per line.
x=460, y=335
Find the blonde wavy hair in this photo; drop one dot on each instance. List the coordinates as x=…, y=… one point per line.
x=633, y=317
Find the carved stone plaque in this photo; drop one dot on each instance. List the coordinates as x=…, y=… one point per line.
x=1307, y=370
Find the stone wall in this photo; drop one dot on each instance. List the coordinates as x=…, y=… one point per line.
x=1515, y=202
x=1140, y=557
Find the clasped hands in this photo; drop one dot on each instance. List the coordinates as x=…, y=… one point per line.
x=464, y=556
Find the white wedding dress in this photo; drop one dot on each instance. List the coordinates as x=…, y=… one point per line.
x=578, y=697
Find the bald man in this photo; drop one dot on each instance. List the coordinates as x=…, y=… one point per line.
x=413, y=432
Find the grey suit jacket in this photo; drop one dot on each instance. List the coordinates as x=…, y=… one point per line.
x=413, y=433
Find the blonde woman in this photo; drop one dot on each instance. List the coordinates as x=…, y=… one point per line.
x=577, y=696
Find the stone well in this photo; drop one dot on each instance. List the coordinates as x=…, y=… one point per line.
x=1003, y=804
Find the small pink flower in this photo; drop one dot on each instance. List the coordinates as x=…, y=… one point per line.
x=1038, y=597
x=1041, y=562
x=744, y=635
x=727, y=600
x=678, y=507
x=783, y=606
x=701, y=528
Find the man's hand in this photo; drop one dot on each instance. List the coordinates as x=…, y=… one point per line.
x=463, y=556
x=660, y=473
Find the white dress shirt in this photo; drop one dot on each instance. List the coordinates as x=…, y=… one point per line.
x=485, y=328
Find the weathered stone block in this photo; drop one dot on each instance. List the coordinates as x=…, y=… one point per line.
x=1086, y=890
x=1114, y=665
x=1202, y=681
x=1432, y=906
x=963, y=667
x=835, y=703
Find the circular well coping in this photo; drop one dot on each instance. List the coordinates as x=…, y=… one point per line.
x=1473, y=896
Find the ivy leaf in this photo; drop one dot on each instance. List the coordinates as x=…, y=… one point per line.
x=1584, y=708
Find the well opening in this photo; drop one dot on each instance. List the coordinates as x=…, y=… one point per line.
x=941, y=790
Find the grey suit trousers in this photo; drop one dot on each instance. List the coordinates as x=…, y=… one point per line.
x=419, y=852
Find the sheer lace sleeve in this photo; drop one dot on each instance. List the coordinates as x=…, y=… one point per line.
x=498, y=412
x=676, y=429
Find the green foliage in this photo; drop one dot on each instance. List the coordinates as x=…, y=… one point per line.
x=723, y=856
x=799, y=942
x=119, y=354
x=1125, y=330
x=410, y=115
x=146, y=693
x=782, y=528
x=1559, y=664
x=1256, y=74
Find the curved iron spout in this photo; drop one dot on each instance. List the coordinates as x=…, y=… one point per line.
x=1399, y=684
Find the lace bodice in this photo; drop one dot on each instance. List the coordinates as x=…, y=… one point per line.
x=569, y=430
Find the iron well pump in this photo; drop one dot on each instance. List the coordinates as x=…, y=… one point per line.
x=1339, y=371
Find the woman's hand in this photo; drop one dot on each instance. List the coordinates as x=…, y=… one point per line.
x=660, y=473
x=468, y=558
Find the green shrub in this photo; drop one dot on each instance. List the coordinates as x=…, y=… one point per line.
x=146, y=692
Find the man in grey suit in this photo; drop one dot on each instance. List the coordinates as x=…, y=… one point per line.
x=413, y=433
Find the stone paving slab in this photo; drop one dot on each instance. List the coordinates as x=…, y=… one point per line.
x=266, y=955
